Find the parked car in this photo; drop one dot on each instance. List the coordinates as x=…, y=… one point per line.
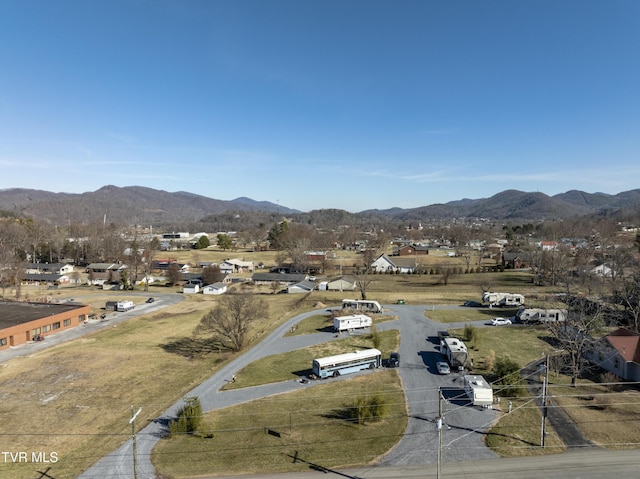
x=500, y=322
x=394, y=360
x=443, y=368
x=472, y=304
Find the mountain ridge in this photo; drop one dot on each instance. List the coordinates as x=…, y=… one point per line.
x=144, y=205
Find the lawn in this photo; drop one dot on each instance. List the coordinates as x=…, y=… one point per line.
x=468, y=314
x=311, y=425
x=323, y=322
x=297, y=363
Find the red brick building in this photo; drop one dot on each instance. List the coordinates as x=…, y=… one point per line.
x=22, y=322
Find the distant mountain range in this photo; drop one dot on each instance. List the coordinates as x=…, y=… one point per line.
x=140, y=205
x=520, y=205
x=128, y=205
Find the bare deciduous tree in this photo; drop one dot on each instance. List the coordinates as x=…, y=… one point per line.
x=174, y=274
x=575, y=335
x=212, y=274
x=231, y=319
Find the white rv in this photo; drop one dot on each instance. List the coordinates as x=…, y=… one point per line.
x=362, y=305
x=352, y=321
x=540, y=315
x=502, y=299
x=478, y=390
x=124, y=306
x=455, y=351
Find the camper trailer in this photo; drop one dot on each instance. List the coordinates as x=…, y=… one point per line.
x=478, y=390
x=455, y=351
x=362, y=305
x=503, y=299
x=540, y=315
x=353, y=321
x=124, y=306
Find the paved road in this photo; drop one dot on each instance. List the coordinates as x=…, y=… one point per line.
x=462, y=436
x=576, y=464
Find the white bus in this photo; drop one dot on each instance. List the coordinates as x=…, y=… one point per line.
x=347, y=363
x=362, y=305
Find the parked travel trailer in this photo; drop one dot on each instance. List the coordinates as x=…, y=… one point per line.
x=362, y=305
x=502, y=299
x=455, y=351
x=124, y=306
x=352, y=321
x=540, y=315
x=478, y=390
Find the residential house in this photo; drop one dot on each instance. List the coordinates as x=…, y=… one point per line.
x=516, y=260
x=163, y=265
x=51, y=268
x=215, y=288
x=285, y=279
x=101, y=273
x=385, y=264
x=412, y=250
x=231, y=266
x=602, y=270
x=618, y=353
x=48, y=279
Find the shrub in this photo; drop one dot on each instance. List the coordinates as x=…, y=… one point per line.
x=189, y=418
x=365, y=410
x=508, y=372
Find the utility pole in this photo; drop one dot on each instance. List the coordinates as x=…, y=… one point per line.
x=132, y=421
x=439, y=425
x=544, y=400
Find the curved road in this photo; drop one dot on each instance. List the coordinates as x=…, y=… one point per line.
x=464, y=424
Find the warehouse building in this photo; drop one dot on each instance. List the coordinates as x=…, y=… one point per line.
x=21, y=323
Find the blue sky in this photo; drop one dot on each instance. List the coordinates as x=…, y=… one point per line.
x=321, y=104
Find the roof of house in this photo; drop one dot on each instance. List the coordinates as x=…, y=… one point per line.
x=627, y=343
x=346, y=279
x=102, y=266
x=239, y=263
x=306, y=284
x=282, y=277
x=44, y=276
x=46, y=266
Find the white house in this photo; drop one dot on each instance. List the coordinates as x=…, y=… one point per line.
x=602, y=270
x=215, y=288
x=236, y=266
x=51, y=268
x=384, y=264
